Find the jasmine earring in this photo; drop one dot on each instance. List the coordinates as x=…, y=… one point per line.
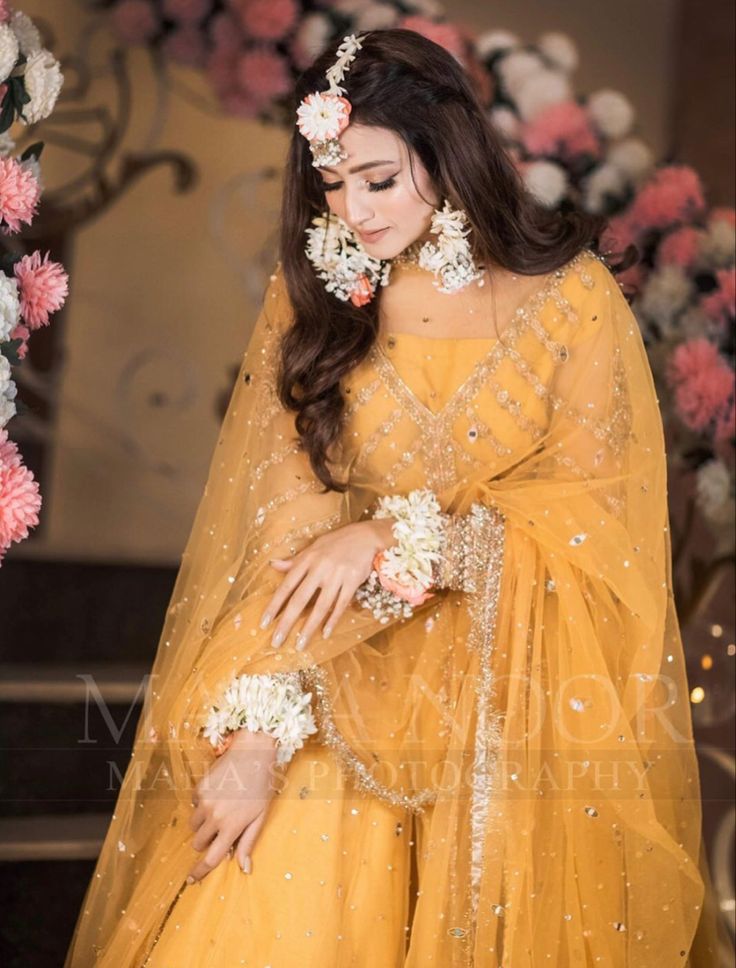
x=450, y=258
x=342, y=262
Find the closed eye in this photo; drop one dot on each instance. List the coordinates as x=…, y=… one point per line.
x=372, y=186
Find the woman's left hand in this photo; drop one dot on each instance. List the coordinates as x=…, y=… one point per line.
x=335, y=564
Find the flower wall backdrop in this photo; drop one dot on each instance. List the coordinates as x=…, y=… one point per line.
x=32, y=286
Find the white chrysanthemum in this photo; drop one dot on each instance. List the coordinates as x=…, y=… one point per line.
x=714, y=492
x=8, y=392
x=517, y=67
x=339, y=259
x=321, y=116
x=8, y=51
x=546, y=181
x=9, y=306
x=611, y=112
x=717, y=248
x=666, y=293
x=26, y=32
x=43, y=80
x=492, y=41
x=540, y=91
x=376, y=16
x=505, y=121
x=560, y=49
x=604, y=182
x=633, y=157
x=273, y=704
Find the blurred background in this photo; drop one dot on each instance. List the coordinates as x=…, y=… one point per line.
x=141, y=147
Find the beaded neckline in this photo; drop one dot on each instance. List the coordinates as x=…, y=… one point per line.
x=530, y=306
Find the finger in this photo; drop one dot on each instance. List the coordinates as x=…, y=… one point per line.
x=281, y=562
x=197, y=818
x=343, y=600
x=205, y=835
x=217, y=850
x=247, y=840
x=288, y=584
x=296, y=605
x=321, y=607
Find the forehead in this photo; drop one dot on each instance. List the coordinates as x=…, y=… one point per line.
x=369, y=143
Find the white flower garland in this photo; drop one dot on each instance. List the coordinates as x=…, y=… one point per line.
x=450, y=259
x=404, y=574
x=342, y=262
x=273, y=704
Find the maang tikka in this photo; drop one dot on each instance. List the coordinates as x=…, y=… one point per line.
x=339, y=259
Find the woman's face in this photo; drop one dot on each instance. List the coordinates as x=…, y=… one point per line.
x=374, y=192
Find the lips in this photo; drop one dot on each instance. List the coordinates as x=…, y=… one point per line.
x=372, y=236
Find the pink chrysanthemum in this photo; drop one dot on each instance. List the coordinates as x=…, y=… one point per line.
x=20, y=500
x=19, y=194
x=446, y=35
x=674, y=194
x=263, y=75
x=4, y=12
x=703, y=383
x=618, y=234
x=9, y=456
x=43, y=286
x=266, y=19
x=679, y=248
x=22, y=333
x=187, y=11
x=136, y=21
x=720, y=305
x=562, y=129
x=226, y=34
x=221, y=70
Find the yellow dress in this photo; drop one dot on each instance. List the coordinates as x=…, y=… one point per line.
x=526, y=742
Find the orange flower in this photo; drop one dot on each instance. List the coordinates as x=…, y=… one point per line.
x=413, y=594
x=362, y=293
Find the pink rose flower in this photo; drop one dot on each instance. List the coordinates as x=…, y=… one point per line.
x=136, y=21
x=19, y=195
x=43, y=287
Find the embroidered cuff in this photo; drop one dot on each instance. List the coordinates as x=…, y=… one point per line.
x=467, y=540
x=273, y=704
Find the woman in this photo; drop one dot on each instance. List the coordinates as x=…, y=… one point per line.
x=436, y=521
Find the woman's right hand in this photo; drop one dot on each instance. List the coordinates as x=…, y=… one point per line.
x=232, y=800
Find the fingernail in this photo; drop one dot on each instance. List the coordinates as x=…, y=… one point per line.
x=265, y=620
x=247, y=866
x=326, y=632
x=301, y=641
x=277, y=639
x=190, y=879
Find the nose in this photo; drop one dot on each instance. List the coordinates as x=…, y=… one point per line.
x=357, y=208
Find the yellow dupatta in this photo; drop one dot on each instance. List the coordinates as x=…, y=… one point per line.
x=540, y=725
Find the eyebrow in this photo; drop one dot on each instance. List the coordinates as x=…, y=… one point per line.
x=364, y=167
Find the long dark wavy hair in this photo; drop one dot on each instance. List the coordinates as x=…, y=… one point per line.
x=402, y=81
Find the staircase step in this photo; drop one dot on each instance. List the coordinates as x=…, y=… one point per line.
x=52, y=837
x=50, y=683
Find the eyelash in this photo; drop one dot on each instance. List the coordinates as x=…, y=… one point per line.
x=372, y=187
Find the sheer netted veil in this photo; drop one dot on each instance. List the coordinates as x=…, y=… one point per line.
x=541, y=723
